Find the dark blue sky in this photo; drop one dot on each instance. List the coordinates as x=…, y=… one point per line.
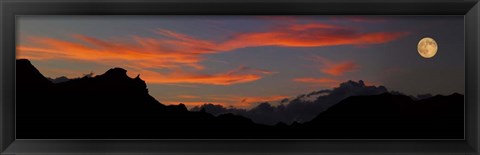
x=243, y=60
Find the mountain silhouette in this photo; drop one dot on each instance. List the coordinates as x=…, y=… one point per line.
x=111, y=105
x=58, y=79
x=29, y=75
x=115, y=106
x=392, y=116
x=301, y=109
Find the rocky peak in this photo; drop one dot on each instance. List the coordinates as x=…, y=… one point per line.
x=116, y=73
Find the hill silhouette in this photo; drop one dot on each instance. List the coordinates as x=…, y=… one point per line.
x=115, y=106
x=111, y=105
x=392, y=116
x=300, y=109
x=59, y=79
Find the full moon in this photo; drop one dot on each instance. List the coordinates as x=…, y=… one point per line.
x=427, y=47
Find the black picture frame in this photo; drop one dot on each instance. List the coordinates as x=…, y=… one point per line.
x=9, y=9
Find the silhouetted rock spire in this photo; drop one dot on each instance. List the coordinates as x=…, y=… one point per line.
x=111, y=105
x=116, y=73
x=28, y=76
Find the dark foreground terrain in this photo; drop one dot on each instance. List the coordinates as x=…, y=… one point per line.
x=115, y=106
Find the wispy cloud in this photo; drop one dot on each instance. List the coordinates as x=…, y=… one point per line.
x=331, y=68
x=339, y=69
x=335, y=68
x=310, y=35
x=174, y=51
x=187, y=96
x=235, y=76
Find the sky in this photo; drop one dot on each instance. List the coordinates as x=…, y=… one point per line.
x=241, y=61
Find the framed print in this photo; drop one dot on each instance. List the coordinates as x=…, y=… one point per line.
x=273, y=77
x=239, y=77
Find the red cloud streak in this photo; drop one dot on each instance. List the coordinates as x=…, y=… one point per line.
x=340, y=68
x=175, y=51
x=310, y=35
x=335, y=68
x=236, y=76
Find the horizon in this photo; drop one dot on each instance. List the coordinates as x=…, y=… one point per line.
x=272, y=102
x=246, y=60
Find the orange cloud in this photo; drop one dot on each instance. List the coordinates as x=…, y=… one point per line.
x=335, y=68
x=187, y=96
x=175, y=52
x=109, y=52
x=251, y=100
x=339, y=69
x=310, y=35
x=138, y=58
x=239, y=75
x=319, y=81
x=181, y=49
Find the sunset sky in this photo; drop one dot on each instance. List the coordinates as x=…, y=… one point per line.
x=242, y=60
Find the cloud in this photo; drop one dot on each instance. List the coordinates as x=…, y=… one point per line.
x=187, y=96
x=252, y=100
x=177, y=52
x=340, y=69
x=328, y=67
x=335, y=68
x=310, y=35
x=110, y=52
x=239, y=75
x=139, y=58
x=298, y=109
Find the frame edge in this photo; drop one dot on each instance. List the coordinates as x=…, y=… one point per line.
x=472, y=23
x=7, y=130
x=7, y=116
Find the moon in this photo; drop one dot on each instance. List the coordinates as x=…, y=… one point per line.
x=427, y=47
